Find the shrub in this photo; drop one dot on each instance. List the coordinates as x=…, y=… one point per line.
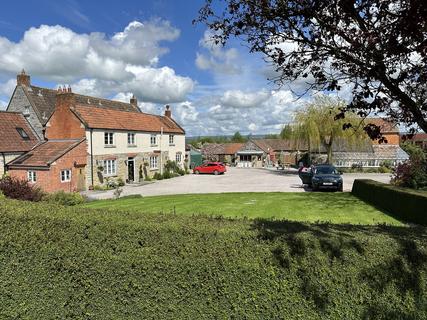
x=157, y=176
x=120, y=182
x=404, y=204
x=412, y=173
x=20, y=189
x=167, y=175
x=65, y=198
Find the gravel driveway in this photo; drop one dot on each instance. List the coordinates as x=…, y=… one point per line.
x=234, y=180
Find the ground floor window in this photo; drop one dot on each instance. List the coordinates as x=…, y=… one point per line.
x=65, y=175
x=153, y=162
x=31, y=176
x=110, y=167
x=178, y=158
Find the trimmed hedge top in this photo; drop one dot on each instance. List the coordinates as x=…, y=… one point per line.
x=73, y=263
x=404, y=204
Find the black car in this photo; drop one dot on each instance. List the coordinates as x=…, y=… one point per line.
x=323, y=176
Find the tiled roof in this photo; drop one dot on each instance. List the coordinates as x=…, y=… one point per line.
x=232, y=148
x=10, y=139
x=418, y=137
x=43, y=154
x=102, y=118
x=212, y=149
x=43, y=100
x=386, y=126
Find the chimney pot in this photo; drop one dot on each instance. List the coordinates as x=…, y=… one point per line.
x=133, y=100
x=168, y=112
x=23, y=79
x=69, y=89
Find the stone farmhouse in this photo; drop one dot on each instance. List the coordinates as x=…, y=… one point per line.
x=88, y=141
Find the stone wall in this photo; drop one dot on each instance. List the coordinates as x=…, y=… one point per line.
x=18, y=102
x=141, y=171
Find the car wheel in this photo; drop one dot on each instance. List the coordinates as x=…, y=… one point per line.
x=216, y=172
x=196, y=172
x=314, y=187
x=340, y=188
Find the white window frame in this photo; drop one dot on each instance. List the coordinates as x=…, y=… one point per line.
x=178, y=157
x=110, y=167
x=171, y=140
x=31, y=176
x=154, y=162
x=131, y=139
x=153, y=140
x=109, y=139
x=65, y=175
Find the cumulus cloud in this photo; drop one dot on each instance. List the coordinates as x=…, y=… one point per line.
x=3, y=105
x=240, y=99
x=215, y=57
x=98, y=64
x=7, y=87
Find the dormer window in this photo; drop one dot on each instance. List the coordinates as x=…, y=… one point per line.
x=26, y=111
x=23, y=134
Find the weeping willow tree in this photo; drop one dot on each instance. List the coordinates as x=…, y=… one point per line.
x=316, y=126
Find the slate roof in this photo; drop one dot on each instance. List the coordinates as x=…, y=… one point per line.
x=43, y=100
x=10, y=139
x=105, y=118
x=43, y=154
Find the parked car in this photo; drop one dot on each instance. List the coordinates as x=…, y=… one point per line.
x=210, y=167
x=323, y=176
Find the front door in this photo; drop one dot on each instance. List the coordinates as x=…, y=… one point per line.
x=81, y=179
x=131, y=169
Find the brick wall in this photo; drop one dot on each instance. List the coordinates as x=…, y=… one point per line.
x=50, y=180
x=63, y=123
x=392, y=138
x=18, y=102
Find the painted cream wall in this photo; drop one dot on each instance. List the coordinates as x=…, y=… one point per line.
x=142, y=140
x=8, y=157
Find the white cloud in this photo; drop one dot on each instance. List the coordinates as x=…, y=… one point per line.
x=7, y=87
x=59, y=53
x=240, y=99
x=216, y=58
x=3, y=105
x=98, y=64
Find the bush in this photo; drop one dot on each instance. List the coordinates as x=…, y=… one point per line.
x=404, y=204
x=20, y=189
x=157, y=176
x=65, y=198
x=93, y=264
x=412, y=173
x=120, y=182
x=167, y=175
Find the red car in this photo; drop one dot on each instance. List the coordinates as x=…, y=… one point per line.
x=210, y=167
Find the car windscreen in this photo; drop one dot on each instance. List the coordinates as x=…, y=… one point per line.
x=326, y=170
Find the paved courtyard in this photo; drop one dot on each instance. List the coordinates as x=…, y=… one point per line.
x=235, y=180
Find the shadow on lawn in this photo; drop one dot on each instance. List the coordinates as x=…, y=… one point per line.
x=405, y=270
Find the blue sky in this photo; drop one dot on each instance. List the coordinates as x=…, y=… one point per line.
x=147, y=48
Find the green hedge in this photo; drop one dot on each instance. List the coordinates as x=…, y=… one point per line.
x=404, y=204
x=72, y=263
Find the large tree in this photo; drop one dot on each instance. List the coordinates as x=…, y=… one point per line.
x=316, y=126
x=376, y=47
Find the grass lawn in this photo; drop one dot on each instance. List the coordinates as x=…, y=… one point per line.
x=309, y=207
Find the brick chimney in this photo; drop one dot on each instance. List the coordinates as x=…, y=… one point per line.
x=168, y=112
x=23, y=79
x=64, y=98
x=134, y=101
